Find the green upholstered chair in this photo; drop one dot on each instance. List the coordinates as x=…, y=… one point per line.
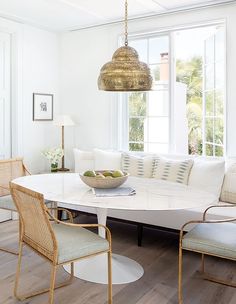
x=209, y=237
x=58, y=242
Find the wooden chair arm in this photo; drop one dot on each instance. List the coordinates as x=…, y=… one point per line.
x=26, y=170
x=216, y=206
x=62, y=209
x=108, y=233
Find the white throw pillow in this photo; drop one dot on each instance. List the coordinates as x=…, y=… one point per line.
x=228, y=193
x=207, y=175
x=137, y=165
x=107, y=160
x=84, y=160
x=173, y=170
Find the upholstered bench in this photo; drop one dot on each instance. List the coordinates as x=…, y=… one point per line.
x=214, y=175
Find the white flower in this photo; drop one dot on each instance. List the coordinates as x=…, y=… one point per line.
x=53, y=154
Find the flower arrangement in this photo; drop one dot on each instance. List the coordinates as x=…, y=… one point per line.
x=53, y=155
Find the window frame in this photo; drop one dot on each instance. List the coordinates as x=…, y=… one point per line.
x=122, y=100
x=213, y=90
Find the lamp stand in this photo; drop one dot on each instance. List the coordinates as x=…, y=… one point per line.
x=63, y=169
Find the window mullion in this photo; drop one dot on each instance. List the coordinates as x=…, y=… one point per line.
x=171, y=89
x=204, y=101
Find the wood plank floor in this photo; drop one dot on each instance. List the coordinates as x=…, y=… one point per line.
x=158, y=256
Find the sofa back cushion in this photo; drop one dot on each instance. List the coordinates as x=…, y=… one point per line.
x=84, y=160
x=106, y=160
x=140, y=166
x=173, y=170
x=208, y=175
x=228, y=193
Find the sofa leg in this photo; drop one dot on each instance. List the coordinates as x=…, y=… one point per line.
x=140, y=234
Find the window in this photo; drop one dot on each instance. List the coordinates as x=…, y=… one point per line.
x=149, y=112
x=213, y=94
x=185, y=112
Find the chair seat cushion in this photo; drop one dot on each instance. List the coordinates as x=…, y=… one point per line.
x=216, y=239
x=77, y=242
x=7, y=203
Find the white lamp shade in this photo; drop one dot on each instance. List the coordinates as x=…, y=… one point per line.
x=63, y=120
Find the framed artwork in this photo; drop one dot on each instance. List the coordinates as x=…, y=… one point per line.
x=42, y=107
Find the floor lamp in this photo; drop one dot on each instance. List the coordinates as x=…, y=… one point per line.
x=63, y=121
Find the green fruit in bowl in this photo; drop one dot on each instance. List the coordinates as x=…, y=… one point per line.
x=109, y=177
x=100, y=175
x=117, y=173
x=90, y=173
x=107, y=173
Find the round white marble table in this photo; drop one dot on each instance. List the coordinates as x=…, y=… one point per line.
x=69, y=191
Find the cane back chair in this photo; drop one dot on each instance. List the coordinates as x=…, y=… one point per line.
x=209, y=237
x=9, y=169
x=58, y=242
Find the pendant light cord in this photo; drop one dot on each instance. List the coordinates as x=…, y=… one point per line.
x=126, y=22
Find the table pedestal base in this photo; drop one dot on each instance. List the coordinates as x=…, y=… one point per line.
x=94, y=269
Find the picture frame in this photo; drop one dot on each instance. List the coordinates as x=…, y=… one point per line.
x=42, y=107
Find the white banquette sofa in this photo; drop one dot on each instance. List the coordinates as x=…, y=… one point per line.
x=214, y=175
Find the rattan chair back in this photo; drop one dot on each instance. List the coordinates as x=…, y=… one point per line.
x=37, y=231
x=10, y=169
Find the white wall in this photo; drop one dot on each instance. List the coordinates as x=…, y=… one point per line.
x=35, y=69
x=84, y=52
x=40, y=74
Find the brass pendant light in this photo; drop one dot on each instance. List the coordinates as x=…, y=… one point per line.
x=125, y=72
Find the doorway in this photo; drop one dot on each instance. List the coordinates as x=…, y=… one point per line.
x=5, y=105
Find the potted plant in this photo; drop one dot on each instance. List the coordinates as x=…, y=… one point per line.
x=53, y=155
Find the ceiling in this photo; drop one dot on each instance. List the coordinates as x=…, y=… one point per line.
x=62, y=15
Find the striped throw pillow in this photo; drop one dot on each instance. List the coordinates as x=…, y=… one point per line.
x=173, y=170
x=137, y=165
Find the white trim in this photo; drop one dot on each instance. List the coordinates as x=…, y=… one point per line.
x=22, y=21
x=123, y=122
x=225, y=93
x=165, y=30
x=5, y=102
x=16, y=88
x=214, y=89
x=204, y=102
x=114, y=120
x=180, y=10
x=172, y=77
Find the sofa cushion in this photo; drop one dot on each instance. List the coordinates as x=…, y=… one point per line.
x=77, y=242
x=84, y=160
x=207, y=175
x=173, y=170
x=216, y=239
x=140, y=166
x=107, y=160
x=228, y=193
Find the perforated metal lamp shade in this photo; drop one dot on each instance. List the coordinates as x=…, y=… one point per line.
x=125, y=72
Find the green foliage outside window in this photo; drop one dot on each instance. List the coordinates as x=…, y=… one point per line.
x=190, y=73
x=137, y=114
